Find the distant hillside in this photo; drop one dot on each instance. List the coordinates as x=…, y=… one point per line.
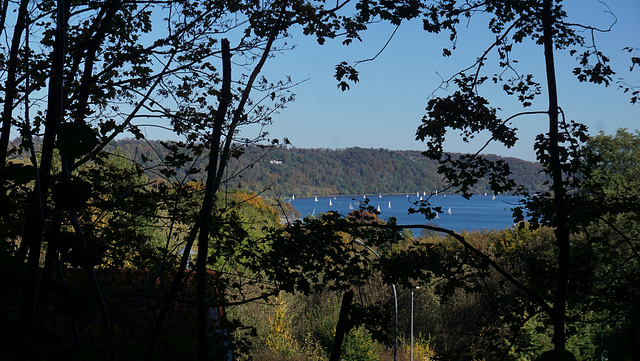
x=354, y=171
x=321, y=172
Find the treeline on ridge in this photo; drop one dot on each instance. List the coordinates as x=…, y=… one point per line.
x=302, y=172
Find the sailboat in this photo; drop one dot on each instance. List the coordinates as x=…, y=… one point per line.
x=417, y=194
x=378, y=208
x=493, y=198
x=293, y=197
x=316, y=199
x=330, y=202
x=379, y=195
x=350, y=205
x=389, y=204
x=436, y=192
x=449, y=211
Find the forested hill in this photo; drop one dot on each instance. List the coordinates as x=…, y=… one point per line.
x=351, y=171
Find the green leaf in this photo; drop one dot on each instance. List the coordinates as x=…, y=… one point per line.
x=76, y=139
x=19, y=173
x=72, y=194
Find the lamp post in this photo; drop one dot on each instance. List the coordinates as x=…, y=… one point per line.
x=395, y=331
x=412, y=289
x=395, y=300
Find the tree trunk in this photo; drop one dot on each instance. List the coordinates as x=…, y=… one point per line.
x=208, y=203
x=562, y=229
x=11, y=85
x=35, y=223
x=341, y=326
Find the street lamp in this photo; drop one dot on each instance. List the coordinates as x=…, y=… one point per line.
x=395, y=299
x=412, y=289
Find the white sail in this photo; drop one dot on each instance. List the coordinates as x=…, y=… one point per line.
x=350, y=205
x=378, y=208
x=316, y=199
x=493, y=198
x=436, y=192
x=449, y=211
x=293, y=197
x=330, y=202
x=389, y=204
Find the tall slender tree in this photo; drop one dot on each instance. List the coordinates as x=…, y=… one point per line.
x=468, y=112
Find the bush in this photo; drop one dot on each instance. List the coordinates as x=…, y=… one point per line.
x=359, y=346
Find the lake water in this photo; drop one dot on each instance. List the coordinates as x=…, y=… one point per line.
x=480, y=212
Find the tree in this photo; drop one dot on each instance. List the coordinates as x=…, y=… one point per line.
x=332, y=252
x=95, y=70
x=543, y=22
x=608, y=197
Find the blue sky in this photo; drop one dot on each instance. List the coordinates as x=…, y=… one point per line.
x=384, y=109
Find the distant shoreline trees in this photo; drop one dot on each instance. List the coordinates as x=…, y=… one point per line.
x=280, y=171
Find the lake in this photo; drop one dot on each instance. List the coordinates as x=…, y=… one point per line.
x=479, y=212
